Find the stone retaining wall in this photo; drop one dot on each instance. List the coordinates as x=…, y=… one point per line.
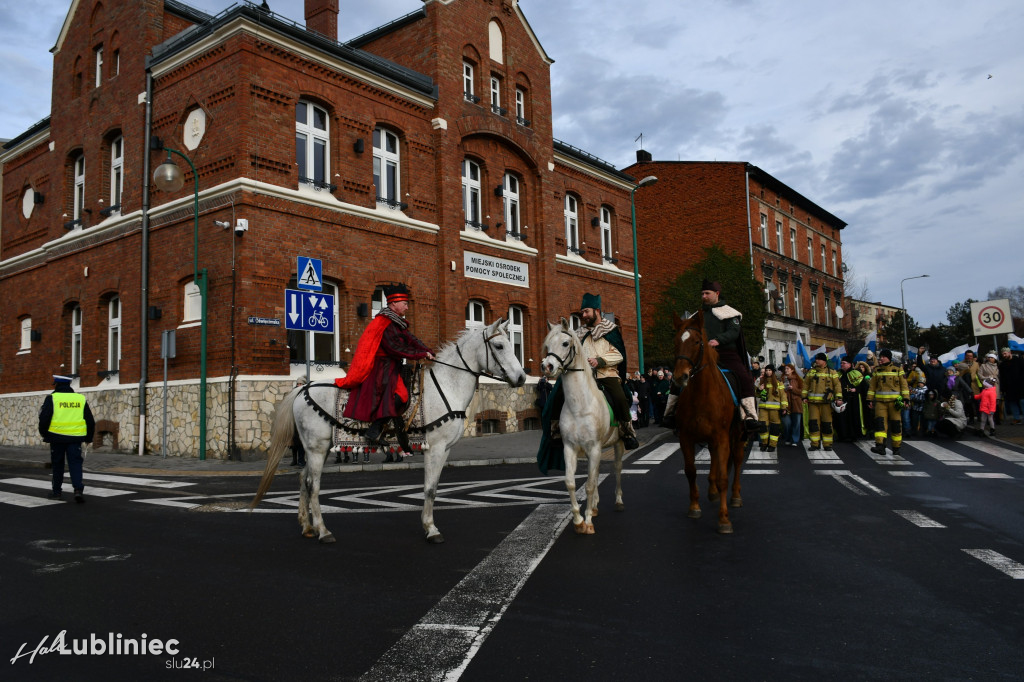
x=255, y=399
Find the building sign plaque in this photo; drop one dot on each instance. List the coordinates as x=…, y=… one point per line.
x=493, y=269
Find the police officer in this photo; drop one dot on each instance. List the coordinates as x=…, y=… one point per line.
x=886, y=395
x=821, y=388
x=65, y=422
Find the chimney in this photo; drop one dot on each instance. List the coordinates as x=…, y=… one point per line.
x=322, y=17
x=643, y=156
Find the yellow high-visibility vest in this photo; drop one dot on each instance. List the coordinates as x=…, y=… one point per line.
x=68, y=415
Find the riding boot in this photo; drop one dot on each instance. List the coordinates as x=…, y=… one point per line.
x=375, y=434
x=401, y=435
x=668, y=420
x=748, y=408
x=628, y=436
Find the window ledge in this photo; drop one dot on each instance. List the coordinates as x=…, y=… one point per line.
x=188, y=324
x=475, y=236
x=573, y=259
x=24, y=351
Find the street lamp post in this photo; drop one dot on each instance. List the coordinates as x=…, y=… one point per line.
x=168, y=178
x=649, y=180
x=903, y=305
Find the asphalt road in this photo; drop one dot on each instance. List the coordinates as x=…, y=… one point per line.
x=852, y=569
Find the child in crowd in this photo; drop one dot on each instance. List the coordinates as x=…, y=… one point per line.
x=917, y=398
x=987, y=406
x=950, y=380
x=931, y=412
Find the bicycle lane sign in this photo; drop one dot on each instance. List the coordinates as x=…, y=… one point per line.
x=308, y=311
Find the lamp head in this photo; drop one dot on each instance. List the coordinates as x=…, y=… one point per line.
x=649, y=180
x=168, y=177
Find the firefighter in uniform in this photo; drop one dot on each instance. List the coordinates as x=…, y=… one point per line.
x=888, y=391
x=821, y=388
x=772, y=403
x=65, y=422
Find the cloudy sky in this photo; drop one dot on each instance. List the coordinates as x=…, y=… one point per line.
x=905, y=119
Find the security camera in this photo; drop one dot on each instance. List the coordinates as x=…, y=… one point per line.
x=222, y=224
x=241, y=226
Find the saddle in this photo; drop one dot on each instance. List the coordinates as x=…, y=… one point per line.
x=349, y=435
x=733, y=382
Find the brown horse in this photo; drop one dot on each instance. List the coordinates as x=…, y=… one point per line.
x=706, y=413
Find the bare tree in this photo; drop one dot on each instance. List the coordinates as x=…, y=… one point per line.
x=856, y=286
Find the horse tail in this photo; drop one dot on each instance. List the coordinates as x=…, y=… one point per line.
x=282, y=431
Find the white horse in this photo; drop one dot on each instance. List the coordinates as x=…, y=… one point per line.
x=448, y=387
x=585, y=422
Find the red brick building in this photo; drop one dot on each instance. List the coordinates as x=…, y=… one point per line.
x=421, y=152
x=795, y=246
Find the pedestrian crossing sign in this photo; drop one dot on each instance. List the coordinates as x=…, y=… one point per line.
x=310, y=274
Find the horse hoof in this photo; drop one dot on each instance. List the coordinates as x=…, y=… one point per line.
x=590, y=529
x=725, y=528
x=619, y=506
x=736, y=502
x=435, y=539
x=581, y=527
x=712, y=497
x=694, y=513
x=308, y=534
x=328, y=539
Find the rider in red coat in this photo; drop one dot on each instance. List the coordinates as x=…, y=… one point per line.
x=377, y=391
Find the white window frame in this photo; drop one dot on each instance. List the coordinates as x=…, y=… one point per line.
x=520, y=106
x=114, y=334
x=98, y=52
x=784, y=297
x=116, y=171
x=311, y=138
x=387, y=167
x=468, y=89
x=823, y=261
x=814, y=307
x=792, y=242
x=76, y=339
x=606, y=233
x=810, y=251
x=117, y=62
x=379, y=301
x=510, y=196
x=572, y=224
x=26, y=334
x=828, y=311
x=764, y=230
x=471, y=206
x=476, y=314
x=192, y=310
x=778, y=238
x=495, y=92
x=79, y=196
x=575, y=322
x=515, y=331
x=797, y=313
x=835, y=268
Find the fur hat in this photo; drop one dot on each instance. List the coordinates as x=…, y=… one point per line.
x=769, y=366
x=396, y=292
x=708, y=285
x=821, y=356
x=885, y=353
x=591, y=301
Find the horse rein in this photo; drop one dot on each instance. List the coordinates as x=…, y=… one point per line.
x=487, y=367
x=569, y=359
x=699, y=364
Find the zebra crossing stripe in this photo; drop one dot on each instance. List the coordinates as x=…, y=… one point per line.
x=947, y=457
x=659, y=454
x=823, y=457
x=26, y=500
x=46, y=485
x=904, y=472
x=918, y=519
x=885, y=460
x=982, y=474
x=133, y=480
x=990, y=448
x=999, y=562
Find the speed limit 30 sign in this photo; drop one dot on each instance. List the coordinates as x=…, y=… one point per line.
x=991, y=317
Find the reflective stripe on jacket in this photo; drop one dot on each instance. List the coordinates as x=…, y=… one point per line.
x=888, y=384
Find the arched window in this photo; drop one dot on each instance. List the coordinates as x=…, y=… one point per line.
x=572, y=234
x=76, y=339
x=114, y=334
x=468, y=88
x=515, y=331
x=606, y=233
x=312, y=142
x=319, y=347
x=116, y=172
x=475, y=314
x=471, y=193
x=386, y=173
x=496, y=42
x=26, y=334
x=192, y=309
x=510, y=190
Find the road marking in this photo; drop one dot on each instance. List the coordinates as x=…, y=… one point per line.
x=758, y=457
x=46, y=485
x=442, y=644
x=995, y=450
x=132, y=480
x=704, y=472
x=659, y=454
x=982, y=474
x=635, y=471
x=947, y=457
x=886, y=459
x=823, y=457
x=918, y=519
x=169, y=503
x=26, y=500
x=998, y=561
x=921, y=474
x=840, y=475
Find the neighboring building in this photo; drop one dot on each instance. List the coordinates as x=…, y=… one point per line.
x=795, y=246
x=421, y=152
x=867, y=317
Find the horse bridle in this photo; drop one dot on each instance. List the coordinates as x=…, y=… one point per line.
x=569, y=359
x=487, y=362
x=699, y=364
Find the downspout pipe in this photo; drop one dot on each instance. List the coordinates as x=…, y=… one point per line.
x=144, y=284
